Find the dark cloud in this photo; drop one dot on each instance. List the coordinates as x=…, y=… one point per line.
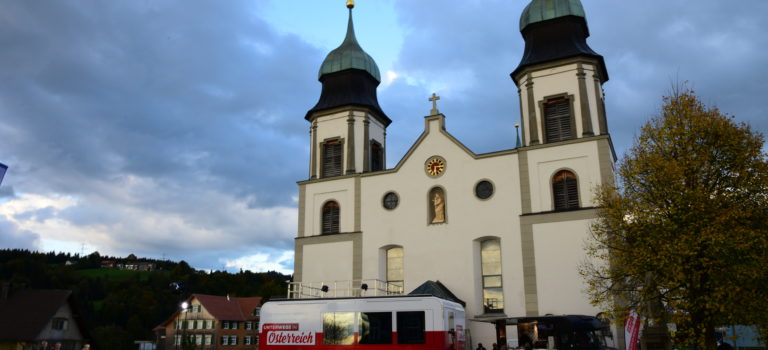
x=718, y=48
x=176, y=92
x=7, y=192
x=11, y=237
x=38, y=215
x=465, y=53
x=156, y=118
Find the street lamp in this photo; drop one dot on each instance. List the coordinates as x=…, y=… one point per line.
x=184, y=307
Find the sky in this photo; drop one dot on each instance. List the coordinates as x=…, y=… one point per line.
x=175, y=129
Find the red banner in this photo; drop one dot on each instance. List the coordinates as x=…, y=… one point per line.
x=631, y=330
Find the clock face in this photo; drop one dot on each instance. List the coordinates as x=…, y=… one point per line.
x=435, y=166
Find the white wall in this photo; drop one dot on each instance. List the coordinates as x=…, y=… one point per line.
x=559, y=251
x=447, y=252
x=317, y=194
x=327, y=262
x=580, y=158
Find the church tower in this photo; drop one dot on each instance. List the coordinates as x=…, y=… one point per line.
x=560, y=77
x=348, y=127
x=567, y=151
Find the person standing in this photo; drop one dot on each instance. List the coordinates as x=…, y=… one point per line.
x=480, y=346
x=525, y=342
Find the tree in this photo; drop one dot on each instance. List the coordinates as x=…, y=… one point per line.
x=682, y=236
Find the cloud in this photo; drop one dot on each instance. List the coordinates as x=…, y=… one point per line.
x=11, y=237
x=261, y=262
x=7, y=192
x=179, y=224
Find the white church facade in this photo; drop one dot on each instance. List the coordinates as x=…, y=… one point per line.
x=503, y=231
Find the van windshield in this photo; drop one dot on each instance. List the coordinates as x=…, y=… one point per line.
x=588, y=339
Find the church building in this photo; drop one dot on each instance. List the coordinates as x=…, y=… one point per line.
x=503, y=231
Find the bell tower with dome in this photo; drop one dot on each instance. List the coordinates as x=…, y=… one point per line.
x=348, y=126
x=559, y=76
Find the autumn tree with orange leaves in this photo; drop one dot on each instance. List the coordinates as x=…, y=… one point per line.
x=683, y=236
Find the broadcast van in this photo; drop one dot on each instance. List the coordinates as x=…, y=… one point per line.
x=405, y=322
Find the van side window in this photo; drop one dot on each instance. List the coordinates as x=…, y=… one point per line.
x=338, y=328
x=375, y=328
x=410, y=327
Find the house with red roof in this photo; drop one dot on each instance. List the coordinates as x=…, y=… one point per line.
x=212, y=322
x=28, y=317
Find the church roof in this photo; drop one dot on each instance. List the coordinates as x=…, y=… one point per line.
x=349, y=55
x=555, y=30
x=27, y=312
x=542, y=10
x=437, y=289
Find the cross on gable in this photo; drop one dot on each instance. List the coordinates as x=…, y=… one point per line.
x=434, y=99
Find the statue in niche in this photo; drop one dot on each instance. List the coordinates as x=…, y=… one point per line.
x=438, y=205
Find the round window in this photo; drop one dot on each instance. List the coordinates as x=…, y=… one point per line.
x=390, y=200
x=484, y=189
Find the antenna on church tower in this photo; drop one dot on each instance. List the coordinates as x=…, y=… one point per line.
x=518, y=144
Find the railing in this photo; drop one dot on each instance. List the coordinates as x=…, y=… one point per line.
x=342, y=289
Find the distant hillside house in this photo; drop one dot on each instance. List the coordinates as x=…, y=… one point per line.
x=128, y=265
x=139, y=266
x=213, y=322
x=30, y=316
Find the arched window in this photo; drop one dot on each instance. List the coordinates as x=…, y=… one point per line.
x=490, y=261
x=330, y=218
x=565, y=190
x=395, y=269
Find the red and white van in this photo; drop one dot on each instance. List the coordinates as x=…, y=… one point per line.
x=398, y=322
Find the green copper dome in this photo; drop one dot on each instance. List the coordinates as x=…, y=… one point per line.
x=542, y=10
x=349, y=56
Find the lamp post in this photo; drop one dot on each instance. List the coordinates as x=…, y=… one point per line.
x=184, y=307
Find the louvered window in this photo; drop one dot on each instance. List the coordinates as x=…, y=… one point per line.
x=330, y=218
x=332, y=155
x=557, y=120
x=377, y=156
x=565, y=190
